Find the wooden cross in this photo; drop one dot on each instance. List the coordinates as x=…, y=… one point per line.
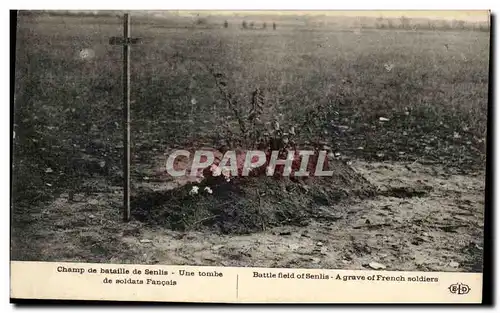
x=126, y=42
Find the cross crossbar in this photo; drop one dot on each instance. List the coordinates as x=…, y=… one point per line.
x=124, y=41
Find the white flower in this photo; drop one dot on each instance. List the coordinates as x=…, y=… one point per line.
x=269, y=171
x=226, y=172
x=208, y=189
x=193, y=101
x=194, y=190
x=388, y=66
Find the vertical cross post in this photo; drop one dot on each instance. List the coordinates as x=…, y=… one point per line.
x=126, y=41
x=126, y=118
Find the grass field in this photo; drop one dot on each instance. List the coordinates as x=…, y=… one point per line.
x=431, y=85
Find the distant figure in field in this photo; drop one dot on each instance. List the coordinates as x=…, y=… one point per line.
x=226, y=24
x=264, y=25
x=274, y=25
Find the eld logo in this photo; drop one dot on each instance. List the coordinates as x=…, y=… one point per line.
x=459, y=289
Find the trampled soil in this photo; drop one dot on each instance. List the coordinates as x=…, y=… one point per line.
x=422, y=218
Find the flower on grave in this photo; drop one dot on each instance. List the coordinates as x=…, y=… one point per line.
x=194, y=190
x=208, y=189
x=216, y=170
x=269, y=171
x=227, y=174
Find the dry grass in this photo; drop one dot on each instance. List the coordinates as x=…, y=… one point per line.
x=435, y=93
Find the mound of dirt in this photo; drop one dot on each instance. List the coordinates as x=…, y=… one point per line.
x=249, y=204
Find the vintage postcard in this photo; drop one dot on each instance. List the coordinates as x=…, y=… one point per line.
x=249, y=156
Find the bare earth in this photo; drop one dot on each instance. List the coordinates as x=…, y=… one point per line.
x=439, y=231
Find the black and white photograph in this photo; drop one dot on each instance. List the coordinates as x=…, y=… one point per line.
x=349, y=140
